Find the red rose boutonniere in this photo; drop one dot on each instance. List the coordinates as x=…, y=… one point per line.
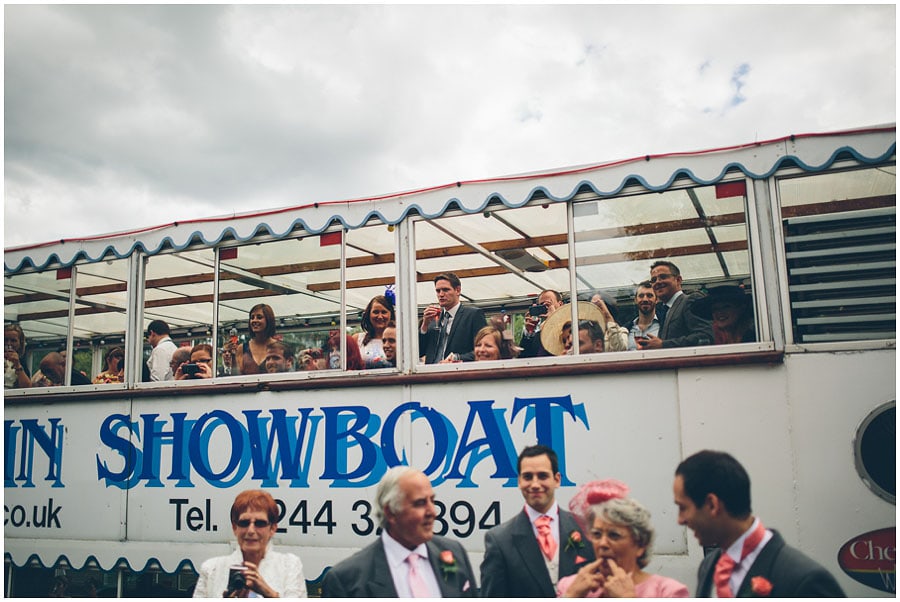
x=575, y=541
x=448, y=564
x=760, y=586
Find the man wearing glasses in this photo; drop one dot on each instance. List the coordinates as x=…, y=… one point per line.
x=680, y=327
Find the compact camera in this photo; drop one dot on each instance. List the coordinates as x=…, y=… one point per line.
x=190, y=369
x=236, y=579
x=537, y=310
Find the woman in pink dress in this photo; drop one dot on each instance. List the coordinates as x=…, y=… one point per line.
x=620, y=531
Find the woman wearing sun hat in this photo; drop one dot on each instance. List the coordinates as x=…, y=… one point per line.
x=730, y=309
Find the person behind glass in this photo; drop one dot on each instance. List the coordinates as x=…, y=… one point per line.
x=354, y=358
x=375, y=319
x=712, y=493
x=527, y=555
x=448, y=329
x=490, y=344
x=279, y=358
x=52, y=372
x=250, y=358
x=407, y=560
x=388, y=357
x=200, y=365
x=646, y=323
x=590, y=337
x=163, y=348
x=78, y=377
x=182, y=355
x=679, y=326
x=548, y=302
x=15, y=374
x=620, y=532
x=266, y=573
x=306, y=360
x=389, y=339
x=615, y=337
x=115, y=367
x=730, y=309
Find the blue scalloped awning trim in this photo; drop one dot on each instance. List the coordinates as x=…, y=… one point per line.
x=437, y=208
x=122, y=562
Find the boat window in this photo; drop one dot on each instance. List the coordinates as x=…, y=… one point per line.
x=36, y=309
x=503, y=258
x=701, y=230
x=178, y=290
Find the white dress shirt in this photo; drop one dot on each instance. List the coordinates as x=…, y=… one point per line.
x=396, y=556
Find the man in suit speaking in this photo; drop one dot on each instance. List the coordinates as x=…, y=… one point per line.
x=712, y=492
x=526, y=556
x=407, y=560
x=448, y=329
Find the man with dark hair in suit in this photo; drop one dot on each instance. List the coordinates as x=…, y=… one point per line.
x=522, y=557
x=407, y=560
x=712, y=492
x=679, y=326
x=447, y=331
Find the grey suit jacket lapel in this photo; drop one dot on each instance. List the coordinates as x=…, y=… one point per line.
x=762, y=566
x=568, y=553
x=704, y=575
x=381, y=584
x=450, y=587
x=671, y=314
x=533, y=559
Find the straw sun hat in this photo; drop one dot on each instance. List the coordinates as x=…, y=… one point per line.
x=551, y=331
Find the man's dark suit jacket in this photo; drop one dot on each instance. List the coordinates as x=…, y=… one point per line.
x=366, y=574
x=513, y=565
x=532, y=346
x=792, y=574
x=682, y=327
x=466, y=324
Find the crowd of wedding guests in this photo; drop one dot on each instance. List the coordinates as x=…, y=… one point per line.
x=600, y=547
x=449, y=332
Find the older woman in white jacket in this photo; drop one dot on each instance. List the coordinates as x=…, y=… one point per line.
x=263, y=572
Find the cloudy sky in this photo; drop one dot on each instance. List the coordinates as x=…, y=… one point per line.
x=119, y=117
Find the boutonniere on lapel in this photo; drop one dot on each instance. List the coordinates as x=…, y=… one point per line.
x=760, y=586
x=575, y=541
x=448, y=564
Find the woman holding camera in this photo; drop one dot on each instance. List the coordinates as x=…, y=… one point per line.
x=200, y=365
x=254, y=567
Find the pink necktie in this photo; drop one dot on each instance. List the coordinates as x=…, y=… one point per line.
x=726, y=564
x=545, y=538
x=417, y=586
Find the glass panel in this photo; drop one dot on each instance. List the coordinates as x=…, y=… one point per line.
x=100, y=322
x=296, y=283
x=503, y=257
x=701, y=231
x=371, y=279
x=35, y=305
x=840, y=245
x=179, y=293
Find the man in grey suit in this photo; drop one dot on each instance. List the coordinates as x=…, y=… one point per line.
x=514, y=565
x=407, y=560
x=679, y=326
x=712, y=492
x=448, y=329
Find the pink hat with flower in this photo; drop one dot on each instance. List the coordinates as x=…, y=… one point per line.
x=596, y=492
